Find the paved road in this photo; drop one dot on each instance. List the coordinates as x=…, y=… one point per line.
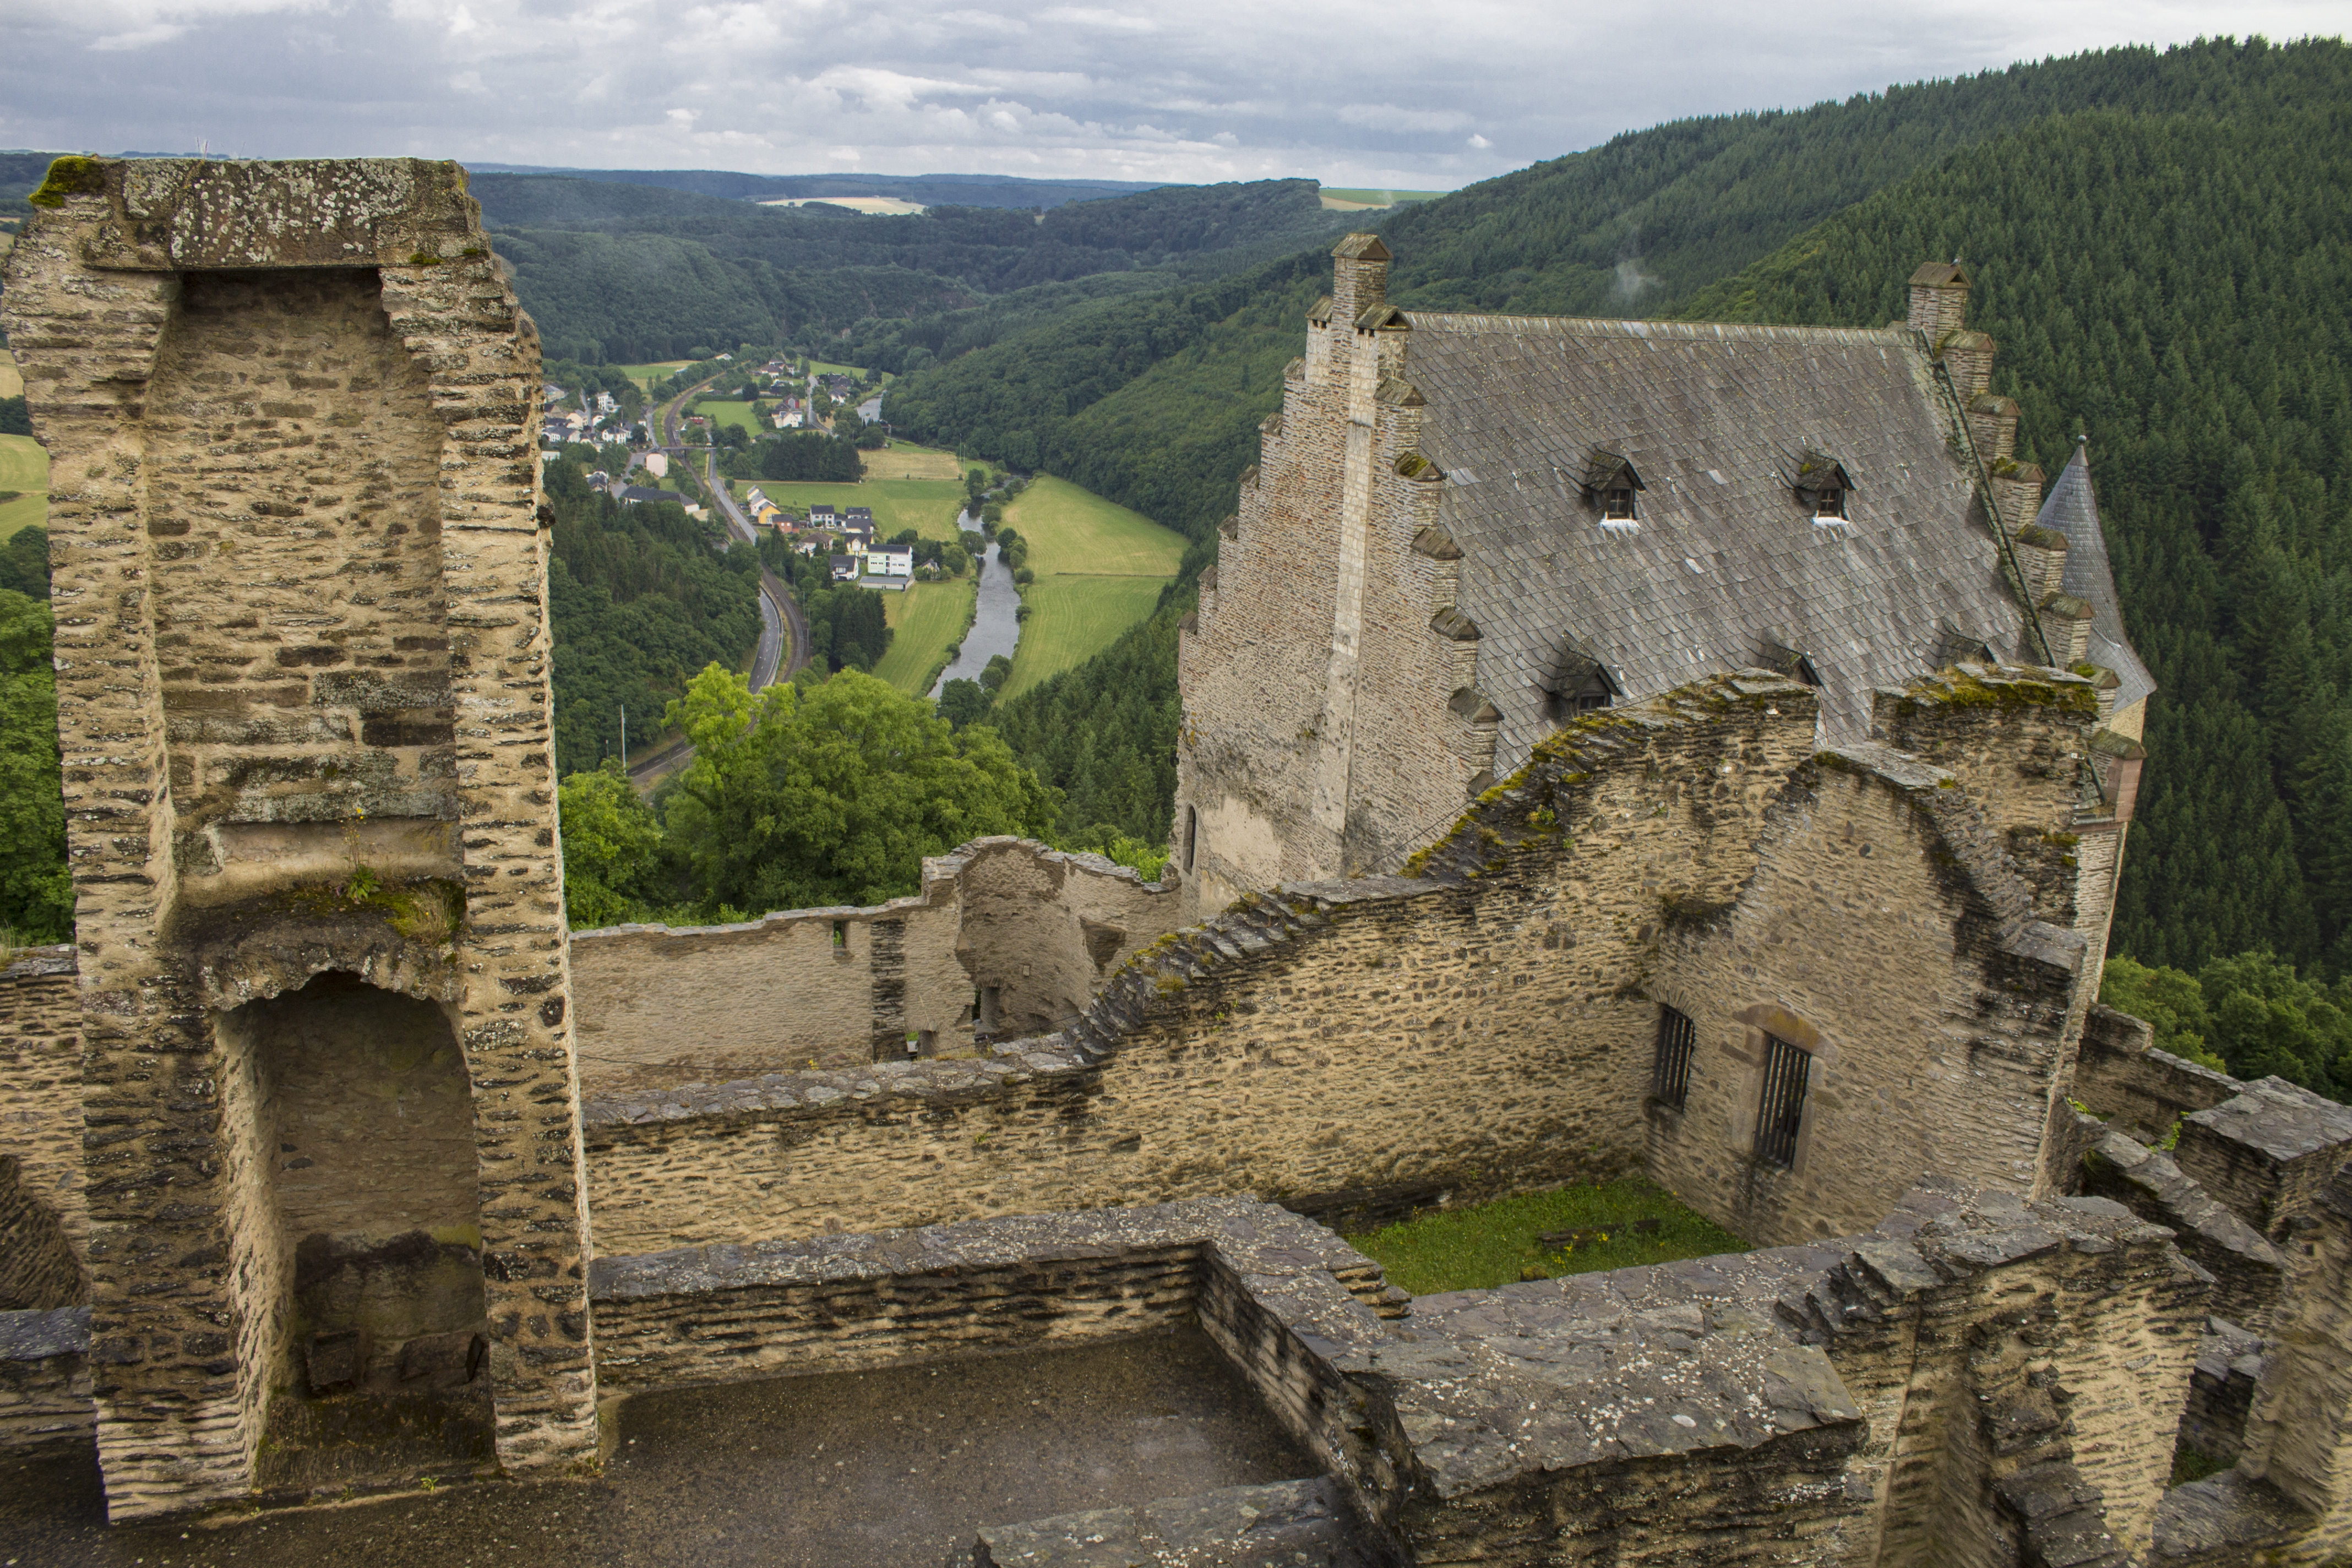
x=782, y=623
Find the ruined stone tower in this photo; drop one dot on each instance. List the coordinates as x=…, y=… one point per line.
x=331, y=1129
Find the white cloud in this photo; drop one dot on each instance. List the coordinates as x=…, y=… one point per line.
x=1115, y=89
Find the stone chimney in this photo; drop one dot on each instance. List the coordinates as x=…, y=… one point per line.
x=1940, y=300
x=2066, y=622
x=1360, y=276
x=1992, y=425
x=2016, y=494
x=1969, y=357
x=2041, y=559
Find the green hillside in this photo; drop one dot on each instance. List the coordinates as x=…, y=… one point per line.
x=2175, y=286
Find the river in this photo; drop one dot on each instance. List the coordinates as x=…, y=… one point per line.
x=995, y=624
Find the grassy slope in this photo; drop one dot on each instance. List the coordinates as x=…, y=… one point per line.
x=929, y=617
x=926, y=506
x=23, y=466
x=1099, y=571
x=12, y=384
x=1494, y=1244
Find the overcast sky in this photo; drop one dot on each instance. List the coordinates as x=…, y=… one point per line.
x=1353, y=92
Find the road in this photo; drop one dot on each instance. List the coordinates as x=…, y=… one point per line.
x=782, y=623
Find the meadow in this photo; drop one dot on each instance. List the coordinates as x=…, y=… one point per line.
x=12, y=384
x=1099, y=570
x=926, y=618
x=646, y=376
x=905, y=460
x=24, y=467
x=736, y=413
x=926, y=506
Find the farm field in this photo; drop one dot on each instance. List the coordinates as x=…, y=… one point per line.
x=1099, y=570
x=905, y=460
x=11, y=384
x=24, y=467
x=1337, y=198
x=644, y=375
x=926, y=506
x=926, y=618
x=736, y=413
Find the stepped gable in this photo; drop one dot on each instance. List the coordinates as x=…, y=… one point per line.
x=1726, y=557
x=2073, y=509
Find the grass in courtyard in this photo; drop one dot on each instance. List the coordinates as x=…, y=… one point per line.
x=926, y=617
x=926, y=506
x=1494, y=1244
x=1099, y=569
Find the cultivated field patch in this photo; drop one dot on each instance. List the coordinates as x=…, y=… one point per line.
x=927, y=619
x=1099, y=570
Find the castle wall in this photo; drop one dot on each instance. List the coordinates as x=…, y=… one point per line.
x=1362, y=1048
x=1949, y=1021
x=1007, y=936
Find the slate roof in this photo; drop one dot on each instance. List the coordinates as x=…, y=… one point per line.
x=2073, y=509
x=1728, y=557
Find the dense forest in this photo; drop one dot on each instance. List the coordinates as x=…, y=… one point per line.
x=622, y=272
x=642, y=598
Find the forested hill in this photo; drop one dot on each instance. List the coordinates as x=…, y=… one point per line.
x=2177, y=287
x=621, y=271
x=1634, y=228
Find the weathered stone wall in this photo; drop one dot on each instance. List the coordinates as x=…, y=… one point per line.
x=45, y=1406
x=2137, y=1089
x=1881, y=901
x=1040, y=930
x=302, y=652
x=40, y=1098
x=807, y=988
x=1358, y=1049
x=1006, y=924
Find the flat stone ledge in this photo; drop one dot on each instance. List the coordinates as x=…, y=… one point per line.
x=1255, y=1239
x=1288, y=1524
x=39, y=1335
x=1007, y=1065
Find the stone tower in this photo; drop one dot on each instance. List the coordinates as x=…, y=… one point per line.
x=332, y=1139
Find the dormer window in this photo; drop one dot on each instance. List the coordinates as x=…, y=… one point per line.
x=1822, y=485
x=1612, y=484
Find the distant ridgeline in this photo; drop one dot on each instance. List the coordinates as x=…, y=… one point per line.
x=625, y=271
x=2162, y=246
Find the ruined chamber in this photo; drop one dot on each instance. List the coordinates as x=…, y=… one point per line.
x=333, y=1166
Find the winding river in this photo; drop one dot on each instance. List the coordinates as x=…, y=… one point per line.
x=995, y=623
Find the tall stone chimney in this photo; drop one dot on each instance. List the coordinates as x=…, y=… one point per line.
x=1940, y=300
x=1360, y=276
x=302, y=700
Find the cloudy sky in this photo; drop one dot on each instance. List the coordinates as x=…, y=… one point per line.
x=1349, y=92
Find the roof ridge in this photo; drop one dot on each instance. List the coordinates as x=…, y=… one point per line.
x=1481, y=320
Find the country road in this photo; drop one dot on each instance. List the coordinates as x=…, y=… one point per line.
x=782, y=623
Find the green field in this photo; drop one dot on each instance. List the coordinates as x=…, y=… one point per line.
x=23, y=466
x=927, y=618
x=1099, y=569
x=926, y=506
x=1494, y=1244
x=736, y=413
x=11, y=384
x=644, y=375
x=1365, y=197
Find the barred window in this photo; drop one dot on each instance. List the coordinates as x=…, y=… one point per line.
x=1782, y=1110
x=1670, y=1077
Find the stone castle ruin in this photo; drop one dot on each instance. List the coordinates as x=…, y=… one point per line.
x=1701, y=752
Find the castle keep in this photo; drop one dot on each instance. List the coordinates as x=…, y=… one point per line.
x=1610, y=749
